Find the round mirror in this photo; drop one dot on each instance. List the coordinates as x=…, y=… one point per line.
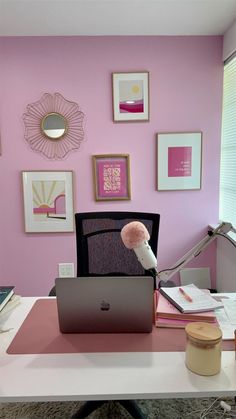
x=54, y=126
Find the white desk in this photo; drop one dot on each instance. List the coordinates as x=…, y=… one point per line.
x=105, y=376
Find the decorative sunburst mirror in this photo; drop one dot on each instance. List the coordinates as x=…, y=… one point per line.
x=53, y=126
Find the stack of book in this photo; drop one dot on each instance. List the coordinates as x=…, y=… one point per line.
x=178, y=306
x=8, y=299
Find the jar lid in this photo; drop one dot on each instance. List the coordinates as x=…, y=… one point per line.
x=204, y=332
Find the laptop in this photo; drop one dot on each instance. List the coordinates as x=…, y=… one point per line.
x=105, y=304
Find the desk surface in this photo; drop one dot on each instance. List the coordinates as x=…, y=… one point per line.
x=105, y=376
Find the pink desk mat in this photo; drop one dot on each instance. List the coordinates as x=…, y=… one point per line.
x=40, y=334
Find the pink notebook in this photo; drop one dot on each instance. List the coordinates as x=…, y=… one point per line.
x=168, y=311
x=175, y=323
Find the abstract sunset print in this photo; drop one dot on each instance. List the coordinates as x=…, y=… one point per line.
x=48, y=200
x=131, y=96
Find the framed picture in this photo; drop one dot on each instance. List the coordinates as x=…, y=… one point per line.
x=130, y=96
x=111, y=177
x=179, y=160
x=48, y=201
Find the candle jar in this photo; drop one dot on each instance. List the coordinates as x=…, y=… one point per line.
x=203, y=348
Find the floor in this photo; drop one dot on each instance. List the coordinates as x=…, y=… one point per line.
x=154, y=409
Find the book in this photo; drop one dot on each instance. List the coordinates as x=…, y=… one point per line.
x=166, y=310
x=178, y=324
x=171, y=323
x=6, y=292
x=190, y=299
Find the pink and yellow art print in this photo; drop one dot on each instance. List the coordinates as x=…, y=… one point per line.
x=111, y=177
x=130, y=96
x=179, y=158
x=48, y=201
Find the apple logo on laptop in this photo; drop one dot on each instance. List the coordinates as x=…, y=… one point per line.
x=105, y=306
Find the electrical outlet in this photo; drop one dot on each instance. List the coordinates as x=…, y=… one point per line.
x=66, y=270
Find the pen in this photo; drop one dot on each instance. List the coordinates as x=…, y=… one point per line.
x=186, y=296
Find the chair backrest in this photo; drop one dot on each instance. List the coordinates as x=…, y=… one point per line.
x=100, y=250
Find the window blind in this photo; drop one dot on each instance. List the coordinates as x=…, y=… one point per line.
x=228, y=146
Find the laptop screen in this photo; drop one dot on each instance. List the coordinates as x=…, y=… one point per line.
x=105, y=304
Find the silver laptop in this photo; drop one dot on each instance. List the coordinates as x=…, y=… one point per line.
x=105, y=304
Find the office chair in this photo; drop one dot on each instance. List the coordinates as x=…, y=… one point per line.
x=101, y=252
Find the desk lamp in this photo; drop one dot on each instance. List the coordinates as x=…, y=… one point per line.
x=135, y=236
x=221, y=230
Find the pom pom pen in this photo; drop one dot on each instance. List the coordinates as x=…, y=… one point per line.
x=186, y=296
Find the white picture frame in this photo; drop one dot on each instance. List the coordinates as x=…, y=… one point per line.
x=48, y=201
x=179, y=161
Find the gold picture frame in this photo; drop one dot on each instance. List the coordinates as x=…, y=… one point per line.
x=130, y=96
x=111, y=174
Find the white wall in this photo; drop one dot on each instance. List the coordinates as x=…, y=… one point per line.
x=229, y=44
x=226, y=272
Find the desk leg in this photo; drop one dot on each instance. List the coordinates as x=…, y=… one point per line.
x=88, y=408
x=129, y=405
x=132, y=408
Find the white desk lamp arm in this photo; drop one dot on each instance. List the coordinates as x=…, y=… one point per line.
x=222, y=229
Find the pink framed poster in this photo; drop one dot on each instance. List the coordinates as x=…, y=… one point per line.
x=111, y=177
x=48, y=201
x=130, y=93
x=179, y=160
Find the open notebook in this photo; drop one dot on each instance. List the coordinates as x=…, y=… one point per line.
x=191, y=299
x=105, y=304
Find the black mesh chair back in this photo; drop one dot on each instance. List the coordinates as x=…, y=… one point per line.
x=100, y=250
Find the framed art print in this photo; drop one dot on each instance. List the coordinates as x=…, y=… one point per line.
x=130, y=96
x=48, y=201
x=179, y=160
x=111, y=177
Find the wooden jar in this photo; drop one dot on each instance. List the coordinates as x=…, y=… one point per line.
x=203, y=348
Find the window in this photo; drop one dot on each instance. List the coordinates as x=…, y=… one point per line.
x=228, y=146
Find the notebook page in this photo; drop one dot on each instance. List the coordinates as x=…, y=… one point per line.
x=201, y=301
x=230, y=309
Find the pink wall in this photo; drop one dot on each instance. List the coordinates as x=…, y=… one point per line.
x=185, y=95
